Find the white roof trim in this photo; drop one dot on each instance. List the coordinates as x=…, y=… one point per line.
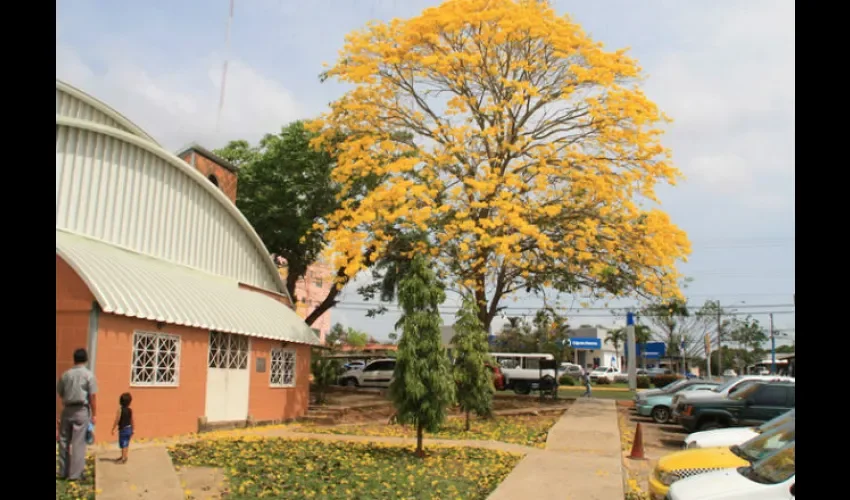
x=131, y=284
x=105, y=109
x=193, y=174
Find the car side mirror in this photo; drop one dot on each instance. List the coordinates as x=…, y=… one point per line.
x=792, y=489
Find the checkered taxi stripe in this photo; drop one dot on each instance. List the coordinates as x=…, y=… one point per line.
x=685, y=473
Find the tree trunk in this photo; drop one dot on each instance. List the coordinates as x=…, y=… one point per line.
x=419, y=451
x=467, y=420
x=330, y=299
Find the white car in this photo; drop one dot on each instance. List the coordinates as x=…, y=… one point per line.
x=570, y=369
x=377, y=373
x=724, y=390
x=735, y=435
x=771, y=478
x=607, y=372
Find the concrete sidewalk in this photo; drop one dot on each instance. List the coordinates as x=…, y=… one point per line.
x=148, y=474
x=582, y=459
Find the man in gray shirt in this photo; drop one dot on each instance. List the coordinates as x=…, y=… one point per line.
x=78, y=390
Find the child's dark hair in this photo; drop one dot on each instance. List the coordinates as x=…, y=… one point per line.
x=125, y=399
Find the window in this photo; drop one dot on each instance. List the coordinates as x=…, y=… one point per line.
x=212, y=178
x=770, y=395
x=283, y=368
x=156, y=359
x=228, y=351
x=318, y=282
x=532, y=363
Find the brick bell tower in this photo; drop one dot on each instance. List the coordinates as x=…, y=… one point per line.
x=216, y=169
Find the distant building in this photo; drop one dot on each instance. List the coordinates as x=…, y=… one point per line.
x=605, y=356
x=310, y=291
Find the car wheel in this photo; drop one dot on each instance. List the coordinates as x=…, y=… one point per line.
x=710, y=425
x=522, y=388
x=661, y=414
x=351, y=382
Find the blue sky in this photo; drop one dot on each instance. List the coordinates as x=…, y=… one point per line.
x=724, y=70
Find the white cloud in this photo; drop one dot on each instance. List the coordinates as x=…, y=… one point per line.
x=181, y=105
x=728, y=173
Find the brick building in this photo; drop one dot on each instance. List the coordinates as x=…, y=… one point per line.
x=166, y=283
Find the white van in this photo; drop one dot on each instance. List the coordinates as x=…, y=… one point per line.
x=522, y=371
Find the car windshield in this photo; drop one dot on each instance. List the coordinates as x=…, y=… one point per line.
x=763, y=444
x=778, y=421
x=775, y=468
x=745, y=391
x=727, y=385
x=675, y=385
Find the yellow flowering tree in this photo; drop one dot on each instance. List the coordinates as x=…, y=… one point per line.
x=525, y=150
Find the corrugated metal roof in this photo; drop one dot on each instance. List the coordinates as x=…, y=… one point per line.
x=136, y=285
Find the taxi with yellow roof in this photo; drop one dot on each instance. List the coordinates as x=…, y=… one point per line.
x=692, y=462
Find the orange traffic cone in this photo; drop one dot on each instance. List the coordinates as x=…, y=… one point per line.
x=637, y=445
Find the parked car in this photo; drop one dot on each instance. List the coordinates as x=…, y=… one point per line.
x=727, y=388
x=735, y=435
x=671, y=388
x=607, y=372
x=498, y=376
x=688, y=463
x=659, y=371
x=571, y=369
x=352, y=365
x=751, y=406
x=377, y=373
x=773, y=477
x=659, y=406
x=729, y=373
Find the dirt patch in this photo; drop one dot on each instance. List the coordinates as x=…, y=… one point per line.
x=203, y=483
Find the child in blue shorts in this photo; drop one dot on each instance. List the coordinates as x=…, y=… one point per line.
x=124, y=425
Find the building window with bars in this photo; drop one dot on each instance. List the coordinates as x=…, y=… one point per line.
x=228, y=351
x=282, y=372
x=156, y=360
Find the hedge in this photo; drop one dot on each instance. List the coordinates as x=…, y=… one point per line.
x=566, y=380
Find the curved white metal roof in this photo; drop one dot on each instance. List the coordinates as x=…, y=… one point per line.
x=84, y=197
x=132, y=284
x=74, y=103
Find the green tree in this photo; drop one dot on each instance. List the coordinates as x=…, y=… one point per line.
x=285, y=186
x=325, y=371
x=750, y=337
x=356, y=339
x=515, y=336
x=474, y=381
x=616, y=338
x=423, y=387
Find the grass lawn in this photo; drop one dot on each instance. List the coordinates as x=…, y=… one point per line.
x=525, y=430
x=282, y=468
x=74, y=490
x=575, y=392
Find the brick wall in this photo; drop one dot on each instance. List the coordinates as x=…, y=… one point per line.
x=278, y=403
x=226, y=179
x=73, y=306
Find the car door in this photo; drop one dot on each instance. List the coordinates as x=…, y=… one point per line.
x=385, y=374
x=370, y=373
x=768, y=402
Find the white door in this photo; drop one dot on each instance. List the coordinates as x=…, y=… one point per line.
x=228, y=378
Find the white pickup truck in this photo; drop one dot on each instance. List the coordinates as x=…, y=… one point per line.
x=608, y=373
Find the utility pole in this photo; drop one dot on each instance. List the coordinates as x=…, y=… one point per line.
x=719, y=342
x=772, y=347
x=632, y=350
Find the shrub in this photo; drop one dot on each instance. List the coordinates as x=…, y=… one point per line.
x=621, y=377
x=602, y=381
x=660, y=381
x=643, y=382
x=566, y=380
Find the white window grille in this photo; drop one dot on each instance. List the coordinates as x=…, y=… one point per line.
x=282, y=372
x=228, y=351
x=156, y=359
